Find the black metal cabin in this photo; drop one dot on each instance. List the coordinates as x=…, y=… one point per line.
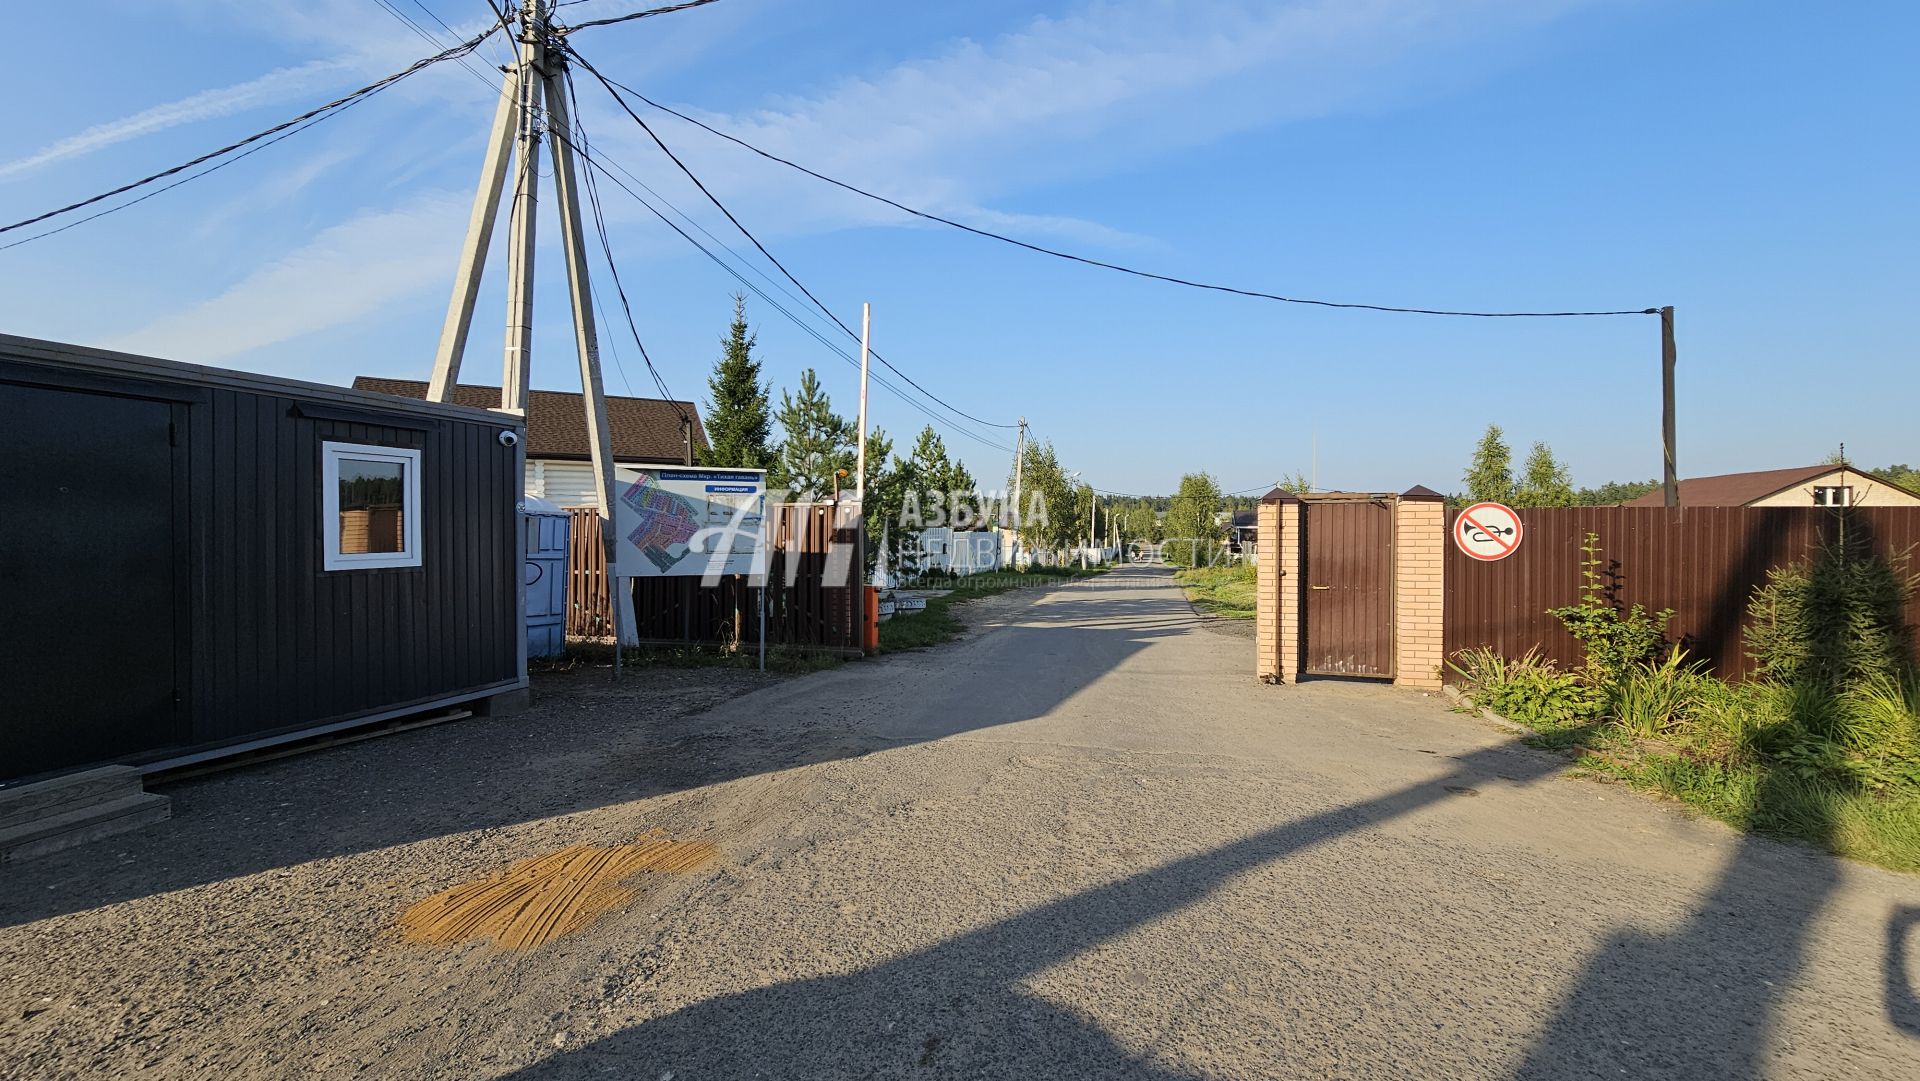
x=195, y=561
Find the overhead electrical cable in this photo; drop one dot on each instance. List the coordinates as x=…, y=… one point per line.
x=579, y=132
x=593, y=160
x=426, y=35
x=797, y=319
x=267, y=134
x=647, y=14
x=214, y=168
x=744, y=231
x=1087, y=260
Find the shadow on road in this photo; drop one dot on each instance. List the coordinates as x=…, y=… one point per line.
x=1696, y=1003
x=589, y=743
x=1903, y=1002
x=958, y=1007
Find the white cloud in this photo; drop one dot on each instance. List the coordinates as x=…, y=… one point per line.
x=278, y=85
x=1119, y=83
x=345, y=273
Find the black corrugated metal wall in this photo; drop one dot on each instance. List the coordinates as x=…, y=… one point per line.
x=269, y=642
x=279, y=637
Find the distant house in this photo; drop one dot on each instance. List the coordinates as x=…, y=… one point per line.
x=1243, y=536
x=958, y=551
x=646, y=431
x=1805, y=486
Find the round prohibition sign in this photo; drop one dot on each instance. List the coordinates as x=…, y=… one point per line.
x=1487, y=531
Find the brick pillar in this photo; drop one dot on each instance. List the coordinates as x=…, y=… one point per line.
x=1277, y=623
x=1419, y=543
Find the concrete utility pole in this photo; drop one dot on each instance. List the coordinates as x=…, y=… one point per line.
x=1019, y=453
x=533, y=99
x=860, y=482
x=1668, y=355
x=866, y=334
x=1093, y=511
x=524, y=216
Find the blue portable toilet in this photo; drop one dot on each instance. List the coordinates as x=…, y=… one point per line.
x=547, y=529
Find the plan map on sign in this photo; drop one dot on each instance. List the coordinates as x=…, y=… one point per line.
x=666, y=522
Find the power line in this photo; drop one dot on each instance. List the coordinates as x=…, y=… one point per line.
x=593, y=159
x=606, y=249
x=338, y=103
x=649, y=13
x=427, y=35
x=951, y=425
x=214, y=168
x=763, y=248
x=1069, y=256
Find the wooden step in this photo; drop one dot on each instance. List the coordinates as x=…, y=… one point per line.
x=30, y=802
x=79, y=825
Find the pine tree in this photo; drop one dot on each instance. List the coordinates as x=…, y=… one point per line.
x=817, y=442
x=940, y=481
x=1489, y=476
x=1544, y=482
x=737, y=427
x=888, y=481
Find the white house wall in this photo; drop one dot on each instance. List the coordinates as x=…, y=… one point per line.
x=567, y=484
x=1867, y=492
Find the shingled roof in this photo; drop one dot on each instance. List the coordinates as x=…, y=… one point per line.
x=1740, y=489
x=644, y=429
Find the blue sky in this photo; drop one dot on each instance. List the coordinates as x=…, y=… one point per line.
x=1752, y=164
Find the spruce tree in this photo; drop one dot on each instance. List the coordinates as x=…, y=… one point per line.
x=737, y=427
x=1490, y=475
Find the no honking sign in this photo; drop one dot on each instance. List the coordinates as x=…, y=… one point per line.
x=1487, y=531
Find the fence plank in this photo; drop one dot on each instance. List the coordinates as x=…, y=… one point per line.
x=1702, y=562
x=809, y=612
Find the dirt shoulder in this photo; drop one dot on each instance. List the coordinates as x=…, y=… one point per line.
x=267, y=904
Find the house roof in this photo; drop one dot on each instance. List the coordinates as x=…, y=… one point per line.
x=1740, y=489
x=644, y=429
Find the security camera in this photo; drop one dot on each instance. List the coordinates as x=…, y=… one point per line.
x=509, y=438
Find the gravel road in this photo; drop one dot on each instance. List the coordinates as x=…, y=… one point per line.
x=1082, y=841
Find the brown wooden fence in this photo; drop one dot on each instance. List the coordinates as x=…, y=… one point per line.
x=810, y=612
x=1702, y=562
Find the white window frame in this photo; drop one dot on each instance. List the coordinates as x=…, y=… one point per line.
x=332, y=558
x=1844, y=491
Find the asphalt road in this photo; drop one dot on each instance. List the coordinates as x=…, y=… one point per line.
x=1083, y=842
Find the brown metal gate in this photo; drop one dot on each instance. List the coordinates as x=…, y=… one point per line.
x=1349, y=602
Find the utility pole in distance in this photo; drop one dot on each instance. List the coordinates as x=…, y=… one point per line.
x=1019, y=452
x=1093, y=511
x=860, y=482
x=1668, y=354
x=866, y=334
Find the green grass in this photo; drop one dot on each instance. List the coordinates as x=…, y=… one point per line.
x=1227, y=592
x=938, y=624
x=1777, y=801
x=1788, y=762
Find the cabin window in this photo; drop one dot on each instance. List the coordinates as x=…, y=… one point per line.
x=370, y=506
x=1833, y=495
